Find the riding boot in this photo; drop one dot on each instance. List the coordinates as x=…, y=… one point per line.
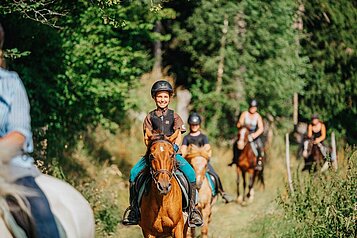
x=226, y=197
x=131, y=214
x=195, y=217
x=259, y=165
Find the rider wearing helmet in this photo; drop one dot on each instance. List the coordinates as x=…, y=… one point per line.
x=166, y=121
x=254, y=121
x=196, y=137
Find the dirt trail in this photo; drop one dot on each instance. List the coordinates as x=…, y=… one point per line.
x=233, y=220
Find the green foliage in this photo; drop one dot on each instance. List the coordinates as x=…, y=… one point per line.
x=261, y=59
x=331, y=47
x=324, y=206
x=82, y=74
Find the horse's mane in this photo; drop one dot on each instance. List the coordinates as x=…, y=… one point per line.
x=195, y=151
x=17, y=193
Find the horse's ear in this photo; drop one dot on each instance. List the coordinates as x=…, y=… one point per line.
x=173, y=137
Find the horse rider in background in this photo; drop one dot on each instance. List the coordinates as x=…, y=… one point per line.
x=196, y=137
x=316, y=131
x=254, y=122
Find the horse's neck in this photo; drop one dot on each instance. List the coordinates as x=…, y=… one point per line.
x=248, y=150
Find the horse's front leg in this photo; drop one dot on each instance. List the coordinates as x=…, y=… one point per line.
x=251, y=184
x=239, y=197
x=178, y=231
x=147, y=234
x=206, y=212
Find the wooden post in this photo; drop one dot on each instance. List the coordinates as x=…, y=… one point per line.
x=333, y=145
x=287, y=152
x=295, y=114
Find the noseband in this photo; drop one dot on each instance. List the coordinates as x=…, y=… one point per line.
x=154, y=173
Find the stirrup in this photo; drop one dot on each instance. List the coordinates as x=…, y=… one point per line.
x=227, y=198
x=130, y=217
x=259, y=165
x=197, y=223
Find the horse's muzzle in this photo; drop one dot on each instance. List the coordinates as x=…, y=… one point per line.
x=164, y=188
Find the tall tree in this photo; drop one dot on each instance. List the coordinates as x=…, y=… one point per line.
x=331, y=88
x=261, y=58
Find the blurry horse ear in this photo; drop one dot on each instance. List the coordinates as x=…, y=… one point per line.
x=173, y=137
x=147, y=136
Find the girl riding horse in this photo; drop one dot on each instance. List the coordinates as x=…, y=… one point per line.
x=246, y=161
x=164, y=121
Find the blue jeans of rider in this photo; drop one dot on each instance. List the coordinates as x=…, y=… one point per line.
x=43, y=218
x=184, y=166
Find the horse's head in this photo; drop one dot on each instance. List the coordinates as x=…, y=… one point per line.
x=308, y=144
x=161, y=156
x=198, y=157
x=243, y=134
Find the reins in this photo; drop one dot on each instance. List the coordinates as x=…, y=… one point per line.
x=155, y=173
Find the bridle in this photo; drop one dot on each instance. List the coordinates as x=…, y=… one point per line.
x=154, y=173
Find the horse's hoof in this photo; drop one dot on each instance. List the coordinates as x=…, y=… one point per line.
x=244, y=204
x=240, y=199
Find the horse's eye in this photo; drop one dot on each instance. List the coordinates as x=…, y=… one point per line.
x=151, y=157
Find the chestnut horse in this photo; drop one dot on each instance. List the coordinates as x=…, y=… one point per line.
x=312, y=154
x=161, y=207
x=246, y=161
x=198, y=157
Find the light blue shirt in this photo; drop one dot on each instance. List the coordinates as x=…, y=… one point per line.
x=15, y=114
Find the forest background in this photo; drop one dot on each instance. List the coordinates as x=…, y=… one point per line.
x=84, y=64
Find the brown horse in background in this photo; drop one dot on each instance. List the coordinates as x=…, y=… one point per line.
x=246, y=162
x=312, y=154
x=198, y=157
x=161, y=208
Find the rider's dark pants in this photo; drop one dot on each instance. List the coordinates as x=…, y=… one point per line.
x=258, y=141
x=40, y=209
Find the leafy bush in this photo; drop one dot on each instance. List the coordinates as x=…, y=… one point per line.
x=324, y=206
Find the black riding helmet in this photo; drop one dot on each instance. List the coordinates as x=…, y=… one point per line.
x=253, y=103
x=159, y=86
x=194, y=119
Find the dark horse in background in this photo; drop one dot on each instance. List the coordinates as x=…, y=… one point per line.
x=314, y=159
x=246, y=161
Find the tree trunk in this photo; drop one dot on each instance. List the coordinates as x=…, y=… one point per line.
x=156, y=71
